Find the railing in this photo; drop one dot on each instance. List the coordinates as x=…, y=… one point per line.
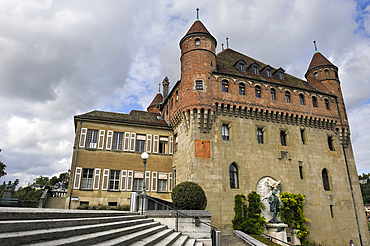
x=43, y=198
x=59, y=193
x=215, y=233
x=274, y=238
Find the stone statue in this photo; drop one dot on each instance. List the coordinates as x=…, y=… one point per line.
x=275, y=206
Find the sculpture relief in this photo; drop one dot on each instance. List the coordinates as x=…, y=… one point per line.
x=265, y=186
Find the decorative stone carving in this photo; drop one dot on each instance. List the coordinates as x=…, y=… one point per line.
x=265, y=186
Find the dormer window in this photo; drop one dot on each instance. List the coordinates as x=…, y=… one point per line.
x=281, y=75
x=255, y=70
x=268, y=73
x=197, y=41
x=241, y=67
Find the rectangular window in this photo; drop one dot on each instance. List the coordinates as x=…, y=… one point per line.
x=154, y=181
x=83, y=137
x=149, y=143
x=331, y=143
x=77, y=180
x=225, y=132
x=283, y=138
x=97, y=178
x=303, y=137
x=101, y=139
x=117, y=140
x=114, y=180
x=126, y=146
x=129, y=179
x=92, y=138
x=123, y=180
x=170, y=149
x=176, y=142
x=255, y=70
x=132, y=141
x=199, y=85
x=104, y=185
x=268, y=72
x=112, y=204
x=300, y=170
x=138, y=181
x=155, y=144
x=140, y=143
x=162, y=182
x=163, y=145
x=109, y=140
x=260, y=135
x=331, y=211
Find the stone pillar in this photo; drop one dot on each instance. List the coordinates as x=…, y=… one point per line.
x=278, y=231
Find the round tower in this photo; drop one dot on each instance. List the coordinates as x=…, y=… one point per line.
x=323, y=75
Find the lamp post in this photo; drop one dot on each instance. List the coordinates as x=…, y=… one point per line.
x=144, y=156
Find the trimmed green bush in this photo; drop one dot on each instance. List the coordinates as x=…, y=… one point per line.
x=189, y=196
x=239, y=220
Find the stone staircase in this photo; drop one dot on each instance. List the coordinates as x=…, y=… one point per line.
x=55, y=202
x=27, y=226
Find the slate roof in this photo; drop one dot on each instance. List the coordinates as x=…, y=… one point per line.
x=197, y=28
x=318, y=60
x=134, y=117
x=227, y=58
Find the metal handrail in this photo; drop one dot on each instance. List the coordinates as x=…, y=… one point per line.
x=266, y=235
x=142, y=196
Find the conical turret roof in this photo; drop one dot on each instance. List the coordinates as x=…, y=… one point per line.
x=318, y=60
x=197, y=28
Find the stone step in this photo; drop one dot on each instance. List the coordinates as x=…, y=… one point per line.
x=169, y=240
x=153, y=239
x=47, y=213
x=105, y=237
x=198, y=244
x=132, y=237
x=190, y=242
x=24, y=225
x=55, y=202
x=181, y=240
x=64, y=232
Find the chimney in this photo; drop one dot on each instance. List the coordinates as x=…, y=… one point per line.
x=165, y=84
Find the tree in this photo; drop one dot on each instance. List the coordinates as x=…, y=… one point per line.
x=2, y=169
x=364, y=176
x=41, y=180
x=53, y=181
x=365, y=190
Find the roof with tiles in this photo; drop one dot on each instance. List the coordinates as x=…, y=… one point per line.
x=156, y=101
x=134, y=117
x=197, y=27
x=318, y=60
x=227, y=58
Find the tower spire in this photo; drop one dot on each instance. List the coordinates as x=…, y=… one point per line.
x=227, y=42
x=197, y=13
x=314, y=42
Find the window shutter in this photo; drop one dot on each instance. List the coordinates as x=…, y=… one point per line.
x=77, y=181
x=147, y=180
x=170, y=182
x=156, y=144
x=154, y=181
x=101, y=139
x=109, y=140
x=105, y=179
x=83, y=137
x=171, y=145
x=149, y=143
x=133, y=140
x=127, y=142
x=96, y=178
x=129, y=180
x=123, y=180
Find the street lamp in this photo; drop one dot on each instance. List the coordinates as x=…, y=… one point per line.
x=144, y=156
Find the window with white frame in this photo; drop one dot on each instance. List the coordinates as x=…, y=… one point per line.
x=162, y=182
x=117, y=140
x=92, y=138
x=138, y=181
x=140, y=143
x=114, y=180
x=87, y=178
x=163, y=145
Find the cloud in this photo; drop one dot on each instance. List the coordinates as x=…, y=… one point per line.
x=62, y=58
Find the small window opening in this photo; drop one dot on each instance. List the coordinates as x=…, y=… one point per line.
x=314, y=102
x=112, y=204
x=176, y=141
x=331, y=211
x=233, y=170
x=199, y=85
x=301, y=171
x=326, y=104
x=258, y=91
x=331, y=143
x=225, y=132
x=325, y=179
x=241, y=89
x=283, y=137
x=84, y=203
x=303, y=137
x=327, y=73
x=225, y=86
x=336, y=74
x=260, y=135
x=177, y=95
x=287, y=96
x=316, y=74
x=301, y=99
x=197, y=41
x=273, y=94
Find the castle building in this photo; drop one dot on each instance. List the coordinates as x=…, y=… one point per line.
x=228, y=123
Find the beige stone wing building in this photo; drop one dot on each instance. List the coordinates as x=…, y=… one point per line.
x=233, y=125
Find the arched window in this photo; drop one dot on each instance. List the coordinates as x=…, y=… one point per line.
x=314, y=102
x=177, y=95
x=273, y=94
x=258, y=91
x=301, y=99
x=326, y=73
x=316, y=74
x=197, y=41
x=225, y=86
x=325, y=179
x=287, y=96
x=233, y=170
x=241, y=89
x=326, y=103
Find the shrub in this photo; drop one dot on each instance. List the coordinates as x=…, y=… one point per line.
x=239, y=220
x=104, y=207
x=189, y=196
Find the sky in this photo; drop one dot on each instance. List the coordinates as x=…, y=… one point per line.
x=63, y=58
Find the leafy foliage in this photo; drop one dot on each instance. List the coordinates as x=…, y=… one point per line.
x=189, y=196
x=248, y=218
x=2, y=169
x=104, y=207
x=27, y=194
x=364, y=176
x=292, y=213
